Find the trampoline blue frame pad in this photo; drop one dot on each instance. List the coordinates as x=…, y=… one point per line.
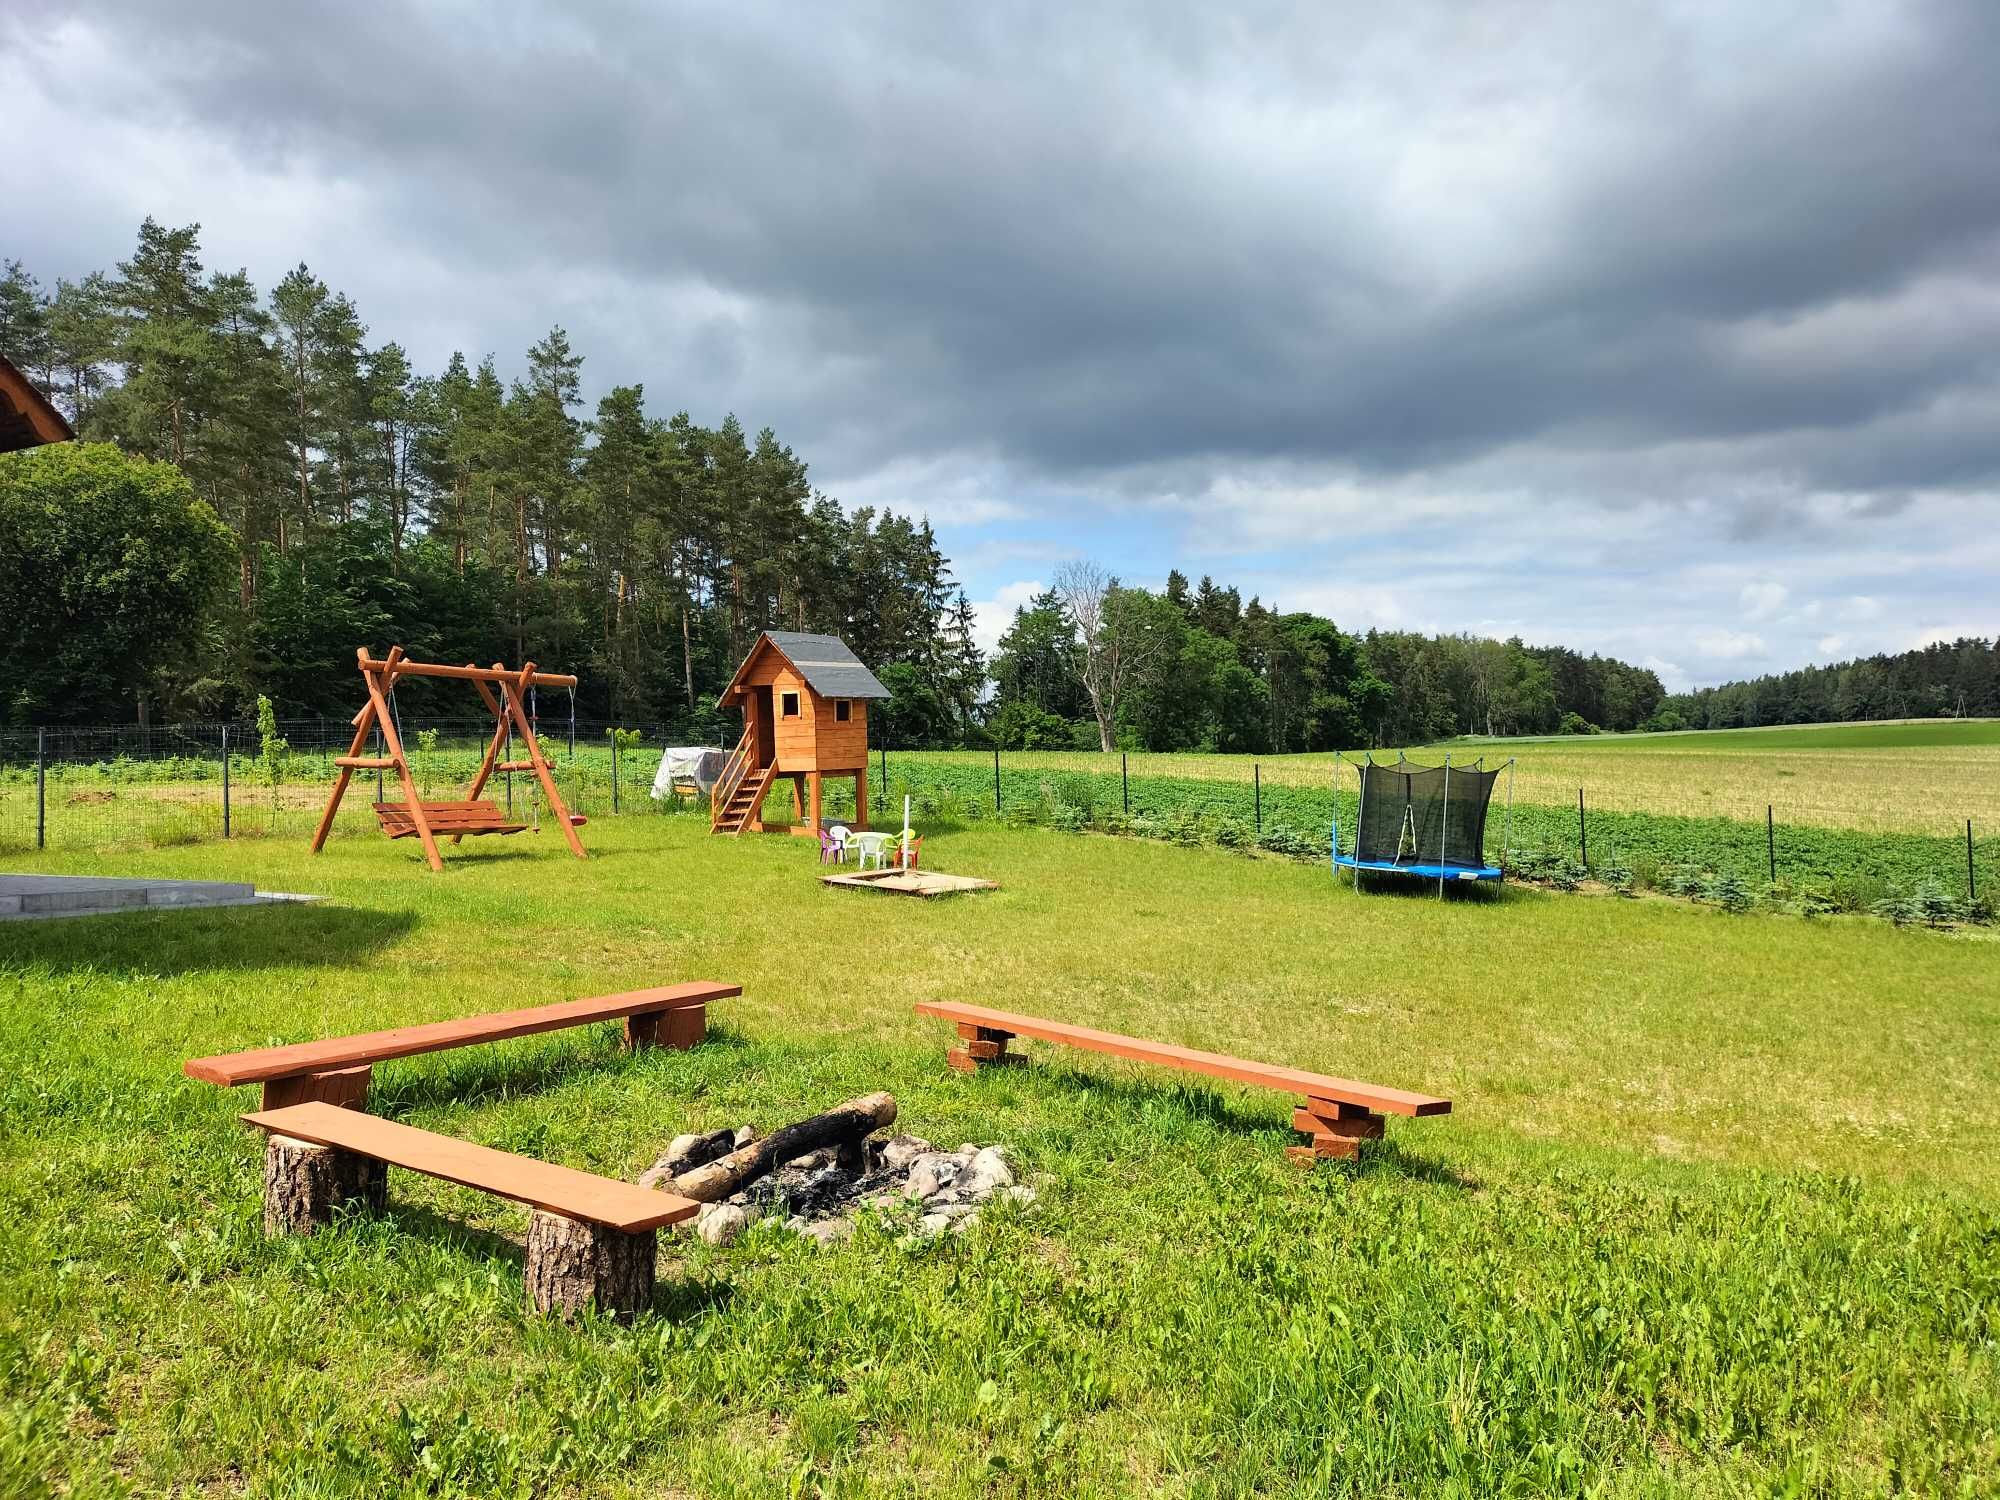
x=1429, y=872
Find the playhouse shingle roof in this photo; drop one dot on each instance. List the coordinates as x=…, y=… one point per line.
x=829, y=668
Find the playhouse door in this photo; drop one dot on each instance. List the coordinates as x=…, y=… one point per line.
x=767, y=744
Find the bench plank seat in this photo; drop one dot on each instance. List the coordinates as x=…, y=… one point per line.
x=623, y=1206
x=1267, y=1075
x=264, y=1064
x=468, y=818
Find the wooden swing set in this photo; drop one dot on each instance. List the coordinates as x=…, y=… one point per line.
x=505, y=692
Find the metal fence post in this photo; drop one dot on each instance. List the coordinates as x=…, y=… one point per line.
x=996, y=778
x=1971, y=880
x=1125, y=780
x=41, y=789
x=614, y=770
x=1582, y=833
x=1771, y=842
x=225, y=781
x=1257, y=785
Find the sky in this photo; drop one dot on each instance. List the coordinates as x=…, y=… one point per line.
x=1667, y=331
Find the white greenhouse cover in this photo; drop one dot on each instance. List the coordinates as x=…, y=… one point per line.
x=701, y=764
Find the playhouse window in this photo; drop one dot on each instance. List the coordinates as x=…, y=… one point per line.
x=842, y=710
x=788, y=705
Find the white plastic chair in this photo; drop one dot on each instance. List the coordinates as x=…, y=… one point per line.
x=869, y=846
x=841, y=835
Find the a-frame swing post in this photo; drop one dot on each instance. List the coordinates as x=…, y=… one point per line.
x=512, y=694
x=492, y=746
x=393, y=742
x=363, y=723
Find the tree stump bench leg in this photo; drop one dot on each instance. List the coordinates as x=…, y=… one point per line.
x=572, y=1264
x=1337, y=1130
x=306, y=1186
x=345, y=1087
x=677, y=1029
x=981, y=1047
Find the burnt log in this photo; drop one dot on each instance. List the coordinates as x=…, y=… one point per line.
x=843, y=1125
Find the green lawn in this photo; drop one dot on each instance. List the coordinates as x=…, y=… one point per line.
x=1718, y=1211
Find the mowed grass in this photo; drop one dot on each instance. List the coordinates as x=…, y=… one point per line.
x=1927, y=777
x=1718, y=1211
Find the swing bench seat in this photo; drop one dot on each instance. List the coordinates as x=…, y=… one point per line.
x=469, y=819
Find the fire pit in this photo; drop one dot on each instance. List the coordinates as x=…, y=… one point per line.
x=821, y=1192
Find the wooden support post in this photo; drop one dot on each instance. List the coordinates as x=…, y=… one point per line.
x=683, y=1027
x=492, y=746
x=1337, y=1130
x=305, y=1185
x=812, y=799
x=981, y=1047
x=861, y=797
x=572, y=1264
x=676, y=1029
x=364, y=723
x=345, y=1087
x=511, y=693
x=385, y=722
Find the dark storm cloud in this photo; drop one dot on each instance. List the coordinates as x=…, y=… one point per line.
x=1090, y=240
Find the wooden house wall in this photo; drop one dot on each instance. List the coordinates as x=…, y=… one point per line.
x=797, y=749
x=843, y=746
x=813, y=740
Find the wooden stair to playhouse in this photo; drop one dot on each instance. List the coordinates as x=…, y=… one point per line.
x=739, y=797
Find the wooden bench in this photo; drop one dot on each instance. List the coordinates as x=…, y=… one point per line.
x=591, y=1238
x=458, y=819
x=1338, y=1113
x=338, y=1071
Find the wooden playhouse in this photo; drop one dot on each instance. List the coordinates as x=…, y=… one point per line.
x=805, y=717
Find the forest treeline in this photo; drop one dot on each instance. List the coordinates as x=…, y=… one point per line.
x=465, y=516
x=1195, y=667
x=1946, y=679
x=352, y=498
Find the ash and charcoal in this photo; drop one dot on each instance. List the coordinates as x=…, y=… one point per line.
x=823, y=1193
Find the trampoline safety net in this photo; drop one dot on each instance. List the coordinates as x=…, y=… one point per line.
x=1423, y=815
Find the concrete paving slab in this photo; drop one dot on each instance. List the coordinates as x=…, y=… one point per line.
x=25, y=897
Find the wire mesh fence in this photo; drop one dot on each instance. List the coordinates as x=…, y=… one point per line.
x=1542, y=821
x=108, y=788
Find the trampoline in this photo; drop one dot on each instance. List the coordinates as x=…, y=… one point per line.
x=1426, y=822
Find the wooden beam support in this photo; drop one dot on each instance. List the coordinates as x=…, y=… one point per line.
x=394, y=742
x=467, y=673
x=346, y=1087
x=511, y=694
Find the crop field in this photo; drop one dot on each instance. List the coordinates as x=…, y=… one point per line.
x=1207, y=801
x=1717, y=1211
x=1923, y=778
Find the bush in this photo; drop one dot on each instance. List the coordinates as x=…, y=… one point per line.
x=1279, y=839
x=1233, y=834
x=1731, y=892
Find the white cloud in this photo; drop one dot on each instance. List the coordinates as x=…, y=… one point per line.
x=996, y=614
x=1829, y=645
x=1763, y=600
x=1932, y=635
x=1729, y=645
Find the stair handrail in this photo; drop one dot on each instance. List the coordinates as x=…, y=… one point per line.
x=730, y=779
